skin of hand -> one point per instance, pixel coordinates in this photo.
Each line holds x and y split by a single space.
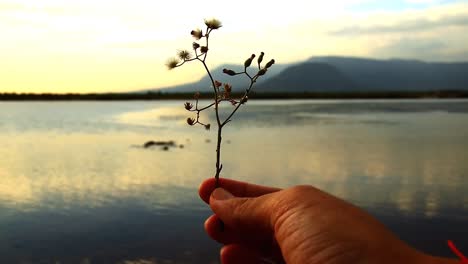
301 224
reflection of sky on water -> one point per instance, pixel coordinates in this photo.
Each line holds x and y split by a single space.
79 162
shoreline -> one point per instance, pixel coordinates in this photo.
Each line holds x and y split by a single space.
149 96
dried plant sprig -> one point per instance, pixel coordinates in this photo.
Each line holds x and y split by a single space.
219 95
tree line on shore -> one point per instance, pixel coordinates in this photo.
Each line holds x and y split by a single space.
265 95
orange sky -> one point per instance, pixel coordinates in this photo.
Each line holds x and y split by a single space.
112 46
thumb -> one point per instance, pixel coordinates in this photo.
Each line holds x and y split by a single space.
252 214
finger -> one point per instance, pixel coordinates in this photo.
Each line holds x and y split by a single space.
223 235
237 188
263 245
251 215
227 235
235 254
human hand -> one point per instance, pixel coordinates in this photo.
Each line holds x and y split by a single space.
298 225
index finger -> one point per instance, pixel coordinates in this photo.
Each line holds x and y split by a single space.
237 188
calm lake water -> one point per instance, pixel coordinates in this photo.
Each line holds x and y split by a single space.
77 187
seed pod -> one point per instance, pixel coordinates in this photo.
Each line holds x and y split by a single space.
195 45
268 65
203 49
229 72
207 126
196 95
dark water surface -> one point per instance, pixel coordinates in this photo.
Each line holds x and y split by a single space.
76 187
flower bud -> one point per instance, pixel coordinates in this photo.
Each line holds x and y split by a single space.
217 84
196 95
262 72
207 126
244 99
268 65
229 72
227 90
260 58
197 33
184 55
249 61
188 106
191 121
227 87
213 23
172 63
195 45
203 49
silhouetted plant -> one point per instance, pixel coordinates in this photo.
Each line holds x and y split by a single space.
221 91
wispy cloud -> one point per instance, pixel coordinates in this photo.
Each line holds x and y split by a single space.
404 26
413 47
90 45
428 49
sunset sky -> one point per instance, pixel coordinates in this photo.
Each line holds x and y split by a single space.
122 45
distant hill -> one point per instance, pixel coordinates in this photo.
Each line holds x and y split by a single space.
400 75
319 77
239 83
320 74
345 74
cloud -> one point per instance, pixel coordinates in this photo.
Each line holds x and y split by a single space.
404 26
416 48
423 1
431 49
101 39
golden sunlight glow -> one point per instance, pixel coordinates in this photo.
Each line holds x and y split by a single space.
114 46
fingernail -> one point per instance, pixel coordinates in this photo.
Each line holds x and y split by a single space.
221 194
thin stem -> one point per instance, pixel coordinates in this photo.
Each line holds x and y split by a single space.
247 91
218 120
207 36
201 109
197 57
219 166
226 96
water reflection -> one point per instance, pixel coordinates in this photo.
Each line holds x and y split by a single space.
78 173
88 170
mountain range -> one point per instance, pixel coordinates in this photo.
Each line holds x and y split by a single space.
345 74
